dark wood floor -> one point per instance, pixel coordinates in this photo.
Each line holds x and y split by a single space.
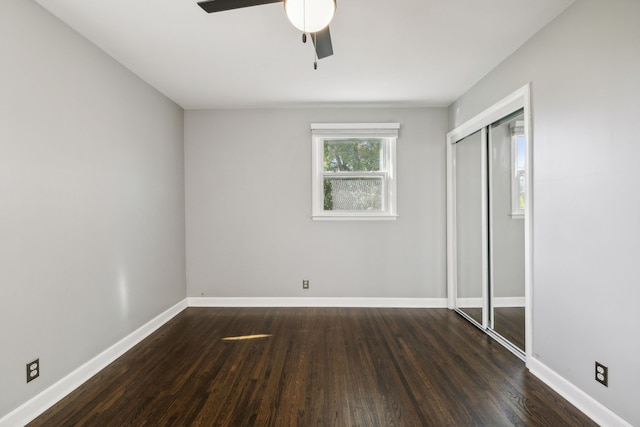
319 366
509 322
474 313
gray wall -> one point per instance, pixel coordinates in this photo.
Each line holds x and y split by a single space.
249 231
92 201
584 68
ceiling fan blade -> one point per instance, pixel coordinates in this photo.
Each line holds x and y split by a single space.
211 6
322 43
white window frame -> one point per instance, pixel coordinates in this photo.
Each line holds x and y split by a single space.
388 133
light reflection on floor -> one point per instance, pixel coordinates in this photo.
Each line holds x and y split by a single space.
246 337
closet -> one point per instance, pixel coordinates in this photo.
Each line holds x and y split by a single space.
489 222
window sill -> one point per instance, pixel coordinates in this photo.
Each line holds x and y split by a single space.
354 217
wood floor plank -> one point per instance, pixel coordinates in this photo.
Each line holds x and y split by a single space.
316 367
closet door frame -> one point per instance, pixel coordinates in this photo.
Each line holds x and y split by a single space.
520 99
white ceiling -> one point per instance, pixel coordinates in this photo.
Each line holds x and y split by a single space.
386 52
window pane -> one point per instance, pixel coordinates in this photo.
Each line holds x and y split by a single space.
521 189
352 155
353 194
521 151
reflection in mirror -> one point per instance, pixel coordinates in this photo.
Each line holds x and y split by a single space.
506 200
469 225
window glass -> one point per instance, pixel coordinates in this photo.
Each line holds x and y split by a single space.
352 155
518 184
353 194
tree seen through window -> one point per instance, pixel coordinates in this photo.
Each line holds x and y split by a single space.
352 155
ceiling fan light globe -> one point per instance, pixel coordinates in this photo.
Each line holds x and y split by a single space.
310 16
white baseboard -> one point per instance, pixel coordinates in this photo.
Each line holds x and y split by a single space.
497 302
508 302
319 302
29 410
578 398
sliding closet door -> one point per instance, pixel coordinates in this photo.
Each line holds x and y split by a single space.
470 232
489 222
507 147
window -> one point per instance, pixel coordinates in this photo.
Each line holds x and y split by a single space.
518 168
354 170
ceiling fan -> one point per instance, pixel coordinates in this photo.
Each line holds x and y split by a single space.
309 16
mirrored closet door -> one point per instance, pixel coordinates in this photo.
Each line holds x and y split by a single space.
507 147
489 224
471 241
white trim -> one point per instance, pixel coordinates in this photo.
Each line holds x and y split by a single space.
350 217
318 302
452 259
490 302
347 127
35 406
463 303
504 302
578 398
498 302
525 92
388 133
503 108
485 250
357 125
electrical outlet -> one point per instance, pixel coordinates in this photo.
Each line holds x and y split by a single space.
33 370
305 284
602 374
